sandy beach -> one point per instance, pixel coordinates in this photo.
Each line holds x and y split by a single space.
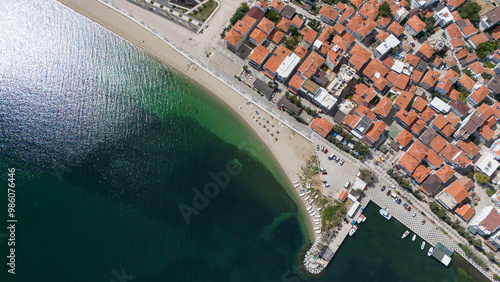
290 150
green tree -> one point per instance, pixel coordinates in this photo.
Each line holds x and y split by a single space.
470 11
360 148
273 16
385 9
482 178
496 276
429 24
485 48
491 256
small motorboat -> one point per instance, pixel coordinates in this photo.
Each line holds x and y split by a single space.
353 230
405 234
296 185
414 237
423 245
431 250
360 219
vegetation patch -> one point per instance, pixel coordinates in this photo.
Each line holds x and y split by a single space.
238 15
204 11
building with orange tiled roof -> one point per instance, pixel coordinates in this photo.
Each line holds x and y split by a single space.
334 57
403 100
434 159
395 29
322 126
454 94
453 31
477 39
300 51
457 43
310 36
439 122
408 163
405 118
295 83
417 126
266 25
339 28
419 104
416 150
485 134
453 119
374 132
430 79
468 147
351 120
477 69
262 5
257 37
453 5
374 70
359 57
357 3
449 152
275 61
448 130
297 22
347 37
427 114
258 57
452 195
466 82
464 211
310 65
233 40
245 26
392 77
425 52
446 82
284 24
466 182
416 76
478 96
342 196
438 144
381 84
383 108
445 173
469 31
346 15
420 174
277 37
402 82
369 9
360 28
485 109
496 33
383 22
414 25
325 33
412 60
496 110
328 14
382 36
404 138
277 6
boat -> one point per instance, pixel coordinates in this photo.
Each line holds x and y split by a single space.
306 198
414 237
296 182
385 214
423 245
296 185
405 234
317 232
308 209
361 218
353 230
431 250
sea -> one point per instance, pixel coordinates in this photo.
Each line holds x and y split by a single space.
124 170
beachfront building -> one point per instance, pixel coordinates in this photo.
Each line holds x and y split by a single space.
486 222
322 126
274 62
323 99
287 66
258 57
452 196
233 40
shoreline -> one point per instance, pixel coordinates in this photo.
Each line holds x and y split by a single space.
284 151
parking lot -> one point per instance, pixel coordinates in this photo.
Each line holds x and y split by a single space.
337 175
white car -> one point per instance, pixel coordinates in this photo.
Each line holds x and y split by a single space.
206 26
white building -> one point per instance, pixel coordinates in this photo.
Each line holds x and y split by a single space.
487 221
487 164
324 99
287 66
421 4
386 46
401 14
443 17
439 106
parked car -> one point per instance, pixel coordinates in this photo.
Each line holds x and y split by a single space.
326 151
388 192
324 173
322 169
383 188
317 147
342 162
399 201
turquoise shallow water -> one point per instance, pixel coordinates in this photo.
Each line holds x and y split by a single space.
108 144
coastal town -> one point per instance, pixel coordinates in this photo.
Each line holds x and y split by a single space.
399 101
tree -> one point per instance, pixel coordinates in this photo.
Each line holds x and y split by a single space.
429 24
360 148
367 176
482 178
485 48
477 243
273 16
491 256
470 11
385 9
189 21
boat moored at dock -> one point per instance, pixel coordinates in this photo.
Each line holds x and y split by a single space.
423 245
385 214
414 237
405 234
431 250
353 230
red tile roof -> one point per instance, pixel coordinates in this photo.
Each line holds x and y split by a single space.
468 147
445 173
359 56
431 78
465 211
408 162
419 104
427 114
454 31
284 24
457 191
480 94
417 152
421 173
417 126
311 64
343 196
404 99
328 12
416 24
396 29
233 37
375 130
375 69
426 50
434 158
407 117
322 126
383 107
402 81
438 144
404 138
449 152
259 54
